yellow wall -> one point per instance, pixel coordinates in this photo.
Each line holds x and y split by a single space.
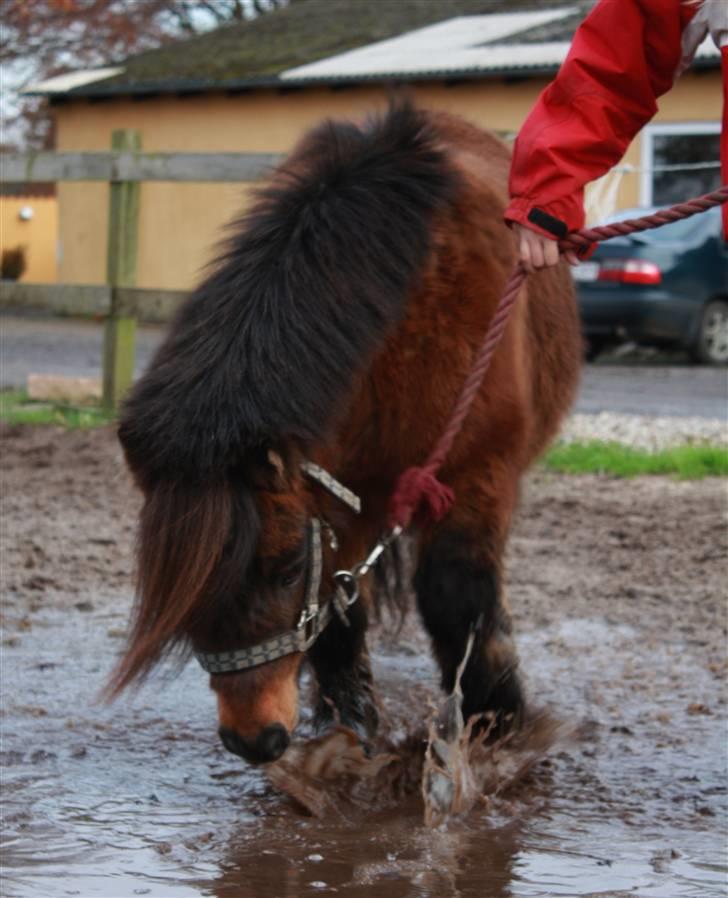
180 223
38 237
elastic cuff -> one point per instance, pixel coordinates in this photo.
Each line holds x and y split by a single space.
554 226
516 219
554 219
518 213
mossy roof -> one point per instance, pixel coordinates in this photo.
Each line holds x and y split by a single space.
253 53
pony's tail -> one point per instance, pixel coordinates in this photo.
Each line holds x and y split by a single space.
183 531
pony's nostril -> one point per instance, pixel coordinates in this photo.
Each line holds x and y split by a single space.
272 742
232 741
268 746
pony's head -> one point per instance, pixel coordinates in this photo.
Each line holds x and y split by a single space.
223 568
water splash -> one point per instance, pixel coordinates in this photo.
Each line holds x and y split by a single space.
453 767
449 782
324 774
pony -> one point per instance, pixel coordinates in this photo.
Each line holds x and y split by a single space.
333 334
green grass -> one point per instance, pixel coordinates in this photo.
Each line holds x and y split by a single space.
16 408
618 460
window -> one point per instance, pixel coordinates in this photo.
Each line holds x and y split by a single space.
679 161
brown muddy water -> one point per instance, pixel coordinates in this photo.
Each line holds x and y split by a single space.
618 594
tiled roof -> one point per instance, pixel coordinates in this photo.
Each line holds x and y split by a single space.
461 44
255 53
345 41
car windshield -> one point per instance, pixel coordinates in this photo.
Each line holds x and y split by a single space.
675 232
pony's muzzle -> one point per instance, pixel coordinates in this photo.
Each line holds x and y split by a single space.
258 709
269 744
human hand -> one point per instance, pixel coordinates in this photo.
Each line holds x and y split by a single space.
535 251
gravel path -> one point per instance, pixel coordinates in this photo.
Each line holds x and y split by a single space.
646 431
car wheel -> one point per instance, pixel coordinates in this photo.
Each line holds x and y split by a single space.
711 345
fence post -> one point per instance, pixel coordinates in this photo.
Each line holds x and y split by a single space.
121 264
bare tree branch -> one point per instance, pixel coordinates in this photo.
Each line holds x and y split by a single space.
41 38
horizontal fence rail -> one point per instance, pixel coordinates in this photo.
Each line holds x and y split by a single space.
119 303
148 306
126 166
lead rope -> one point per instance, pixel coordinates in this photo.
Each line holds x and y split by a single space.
418 490
420 484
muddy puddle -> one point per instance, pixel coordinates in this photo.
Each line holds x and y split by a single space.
619 598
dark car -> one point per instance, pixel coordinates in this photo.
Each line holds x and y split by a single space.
667 287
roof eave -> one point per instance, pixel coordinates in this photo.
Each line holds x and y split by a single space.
274 82
177 86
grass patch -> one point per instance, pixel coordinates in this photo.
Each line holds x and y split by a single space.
597 457
16 408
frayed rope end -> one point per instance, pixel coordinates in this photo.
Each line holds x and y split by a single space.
420 493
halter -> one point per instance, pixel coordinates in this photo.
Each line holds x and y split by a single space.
314 616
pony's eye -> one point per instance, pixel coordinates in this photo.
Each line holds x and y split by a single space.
291 576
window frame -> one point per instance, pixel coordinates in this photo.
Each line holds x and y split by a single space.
648 144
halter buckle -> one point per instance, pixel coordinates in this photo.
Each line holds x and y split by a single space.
308 626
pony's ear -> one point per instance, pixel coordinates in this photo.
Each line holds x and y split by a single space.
273 469
275 460
278 468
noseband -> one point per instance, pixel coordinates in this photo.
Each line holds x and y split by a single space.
314 616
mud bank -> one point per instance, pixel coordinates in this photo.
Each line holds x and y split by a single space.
618 595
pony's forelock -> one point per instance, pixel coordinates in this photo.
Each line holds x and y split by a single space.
183 534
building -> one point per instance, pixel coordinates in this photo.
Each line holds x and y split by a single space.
256 86
28 232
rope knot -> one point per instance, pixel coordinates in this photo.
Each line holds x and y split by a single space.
419 491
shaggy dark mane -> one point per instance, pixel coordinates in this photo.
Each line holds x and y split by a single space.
310 284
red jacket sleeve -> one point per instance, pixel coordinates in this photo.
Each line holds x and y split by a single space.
724 137
624 55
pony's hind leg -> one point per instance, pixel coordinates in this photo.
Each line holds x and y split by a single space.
458 589
345 688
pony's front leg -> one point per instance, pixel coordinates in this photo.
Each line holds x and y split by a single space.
341 663
458 586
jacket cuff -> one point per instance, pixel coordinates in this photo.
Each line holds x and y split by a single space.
553 220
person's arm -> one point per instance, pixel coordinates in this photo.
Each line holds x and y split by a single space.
623 56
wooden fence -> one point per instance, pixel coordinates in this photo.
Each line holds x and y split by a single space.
119 301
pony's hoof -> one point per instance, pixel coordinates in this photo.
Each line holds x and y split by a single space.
365 722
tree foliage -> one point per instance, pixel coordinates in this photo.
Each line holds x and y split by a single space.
41 38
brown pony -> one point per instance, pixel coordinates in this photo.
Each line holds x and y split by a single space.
338 328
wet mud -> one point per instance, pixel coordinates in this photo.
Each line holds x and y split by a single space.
616 787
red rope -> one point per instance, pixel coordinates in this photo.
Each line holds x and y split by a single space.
418 490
